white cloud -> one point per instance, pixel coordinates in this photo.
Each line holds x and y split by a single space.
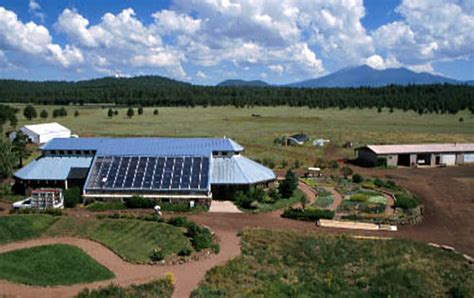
278 68
169 21
430 31
201 75
33 41
121 41
35 9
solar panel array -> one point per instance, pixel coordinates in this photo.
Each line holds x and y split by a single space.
149 173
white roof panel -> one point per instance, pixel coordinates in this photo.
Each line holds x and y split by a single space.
422 148
47 128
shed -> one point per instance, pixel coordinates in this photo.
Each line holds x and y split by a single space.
43 133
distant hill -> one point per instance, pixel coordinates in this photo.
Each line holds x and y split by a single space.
242 83
365 75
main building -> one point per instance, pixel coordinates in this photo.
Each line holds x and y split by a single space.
168 169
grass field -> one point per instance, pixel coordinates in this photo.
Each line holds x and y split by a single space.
21 227
289 264
134 240
51 265
257 133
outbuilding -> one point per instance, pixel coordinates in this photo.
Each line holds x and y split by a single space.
416 154
43 133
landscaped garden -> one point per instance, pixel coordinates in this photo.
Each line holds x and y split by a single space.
51 265
288 264
158 239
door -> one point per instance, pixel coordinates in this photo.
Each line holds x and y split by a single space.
469 158
448 159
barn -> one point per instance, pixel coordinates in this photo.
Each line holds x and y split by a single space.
410 155
43 133
167 169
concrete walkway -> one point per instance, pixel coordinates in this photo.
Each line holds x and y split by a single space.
223 207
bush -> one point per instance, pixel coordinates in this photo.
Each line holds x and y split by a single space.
368 185
246 199
269 162
49 211
157 255
406 201
185 251
379 182
201 238
307 214
72 197
356 178
359 197
333 164
137 202
288 186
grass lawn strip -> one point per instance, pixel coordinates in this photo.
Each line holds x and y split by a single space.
303 264
51 265
133 240
22 227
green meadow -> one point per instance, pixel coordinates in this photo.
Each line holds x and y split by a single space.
257 127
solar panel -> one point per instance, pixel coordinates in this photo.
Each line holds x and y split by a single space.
172 174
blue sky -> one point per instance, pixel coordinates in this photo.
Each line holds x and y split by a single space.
207 41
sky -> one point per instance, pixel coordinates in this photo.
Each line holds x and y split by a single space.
207 41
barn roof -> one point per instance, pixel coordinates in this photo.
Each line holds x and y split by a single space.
239 170
421 148
52 168
46 128
146 146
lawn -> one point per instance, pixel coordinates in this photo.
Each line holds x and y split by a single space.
133 240
304 264
257 133
51 265
21 227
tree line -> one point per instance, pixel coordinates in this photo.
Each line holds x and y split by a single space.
158 91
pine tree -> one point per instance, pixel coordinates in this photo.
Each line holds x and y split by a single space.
29 112
130 112
44 114
110 113
140 110
20 147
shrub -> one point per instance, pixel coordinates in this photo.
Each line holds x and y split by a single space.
157 255
155 112
359 197
136 202
356 178
72 197
268 162
178 221
406 201
201 237
307 214
379 182
368 185
346 171
333 164
378 200
185 251
288 186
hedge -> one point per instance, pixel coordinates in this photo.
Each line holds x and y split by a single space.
405 201
307 214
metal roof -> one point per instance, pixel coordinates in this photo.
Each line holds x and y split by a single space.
52 168
47 128
239 170
146 146
421 148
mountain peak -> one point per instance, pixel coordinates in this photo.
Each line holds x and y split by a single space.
242 83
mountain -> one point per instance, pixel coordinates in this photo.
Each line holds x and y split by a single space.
470 83
365 75
242 83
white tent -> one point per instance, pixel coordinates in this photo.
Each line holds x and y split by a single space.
43 133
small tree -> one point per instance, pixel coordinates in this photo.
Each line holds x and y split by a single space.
29 112
140 110
76 113
288 186
7 159
130 112
155 112
110 113
115 112
20 147
303 201
356 178
72 197
346 172
44 114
